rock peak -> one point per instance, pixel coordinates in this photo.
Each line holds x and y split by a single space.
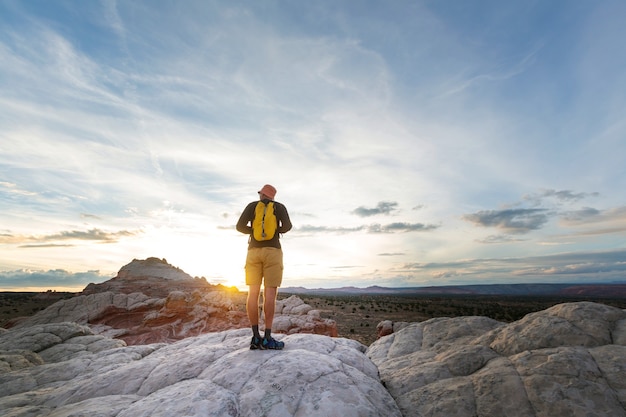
154 268
152 276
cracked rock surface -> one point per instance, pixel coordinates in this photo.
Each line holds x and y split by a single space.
63 369
568 360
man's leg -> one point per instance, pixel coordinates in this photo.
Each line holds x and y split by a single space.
273 275
273 272
252 308
269 305
254 278
270 293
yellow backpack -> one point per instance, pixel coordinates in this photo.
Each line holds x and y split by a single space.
265 224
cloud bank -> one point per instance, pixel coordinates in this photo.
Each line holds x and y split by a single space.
50 279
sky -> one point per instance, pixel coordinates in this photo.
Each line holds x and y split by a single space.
414 143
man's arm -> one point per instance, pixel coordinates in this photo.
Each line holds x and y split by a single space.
245 218
284 224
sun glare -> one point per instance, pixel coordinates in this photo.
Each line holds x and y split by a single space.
218 257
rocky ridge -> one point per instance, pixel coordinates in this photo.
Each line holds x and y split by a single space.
140 307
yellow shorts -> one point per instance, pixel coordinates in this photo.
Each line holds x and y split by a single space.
264 263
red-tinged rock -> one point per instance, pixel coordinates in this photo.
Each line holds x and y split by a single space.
384 328
151 301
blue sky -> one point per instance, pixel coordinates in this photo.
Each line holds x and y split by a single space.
413 142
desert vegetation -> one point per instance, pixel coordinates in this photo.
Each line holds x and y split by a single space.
23 304
358 316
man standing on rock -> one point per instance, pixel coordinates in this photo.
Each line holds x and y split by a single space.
264 221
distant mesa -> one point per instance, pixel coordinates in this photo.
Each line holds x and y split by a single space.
604 290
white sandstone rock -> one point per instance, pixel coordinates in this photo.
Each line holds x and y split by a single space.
569 360
215 374
152 267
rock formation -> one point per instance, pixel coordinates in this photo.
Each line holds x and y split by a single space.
140 307
153 277
295 316
569 360
132 347
63 369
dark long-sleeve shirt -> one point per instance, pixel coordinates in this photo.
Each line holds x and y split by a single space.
244 225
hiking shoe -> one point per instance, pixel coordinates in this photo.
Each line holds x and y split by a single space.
272 343
256 343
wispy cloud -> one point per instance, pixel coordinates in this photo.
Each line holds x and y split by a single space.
497 239
383 207
589 215
566 196
370 228
113 18
401 227
90 216
590 221
502 73
576 268
307 228
46 245
516 221
10 188
77 235
571 267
